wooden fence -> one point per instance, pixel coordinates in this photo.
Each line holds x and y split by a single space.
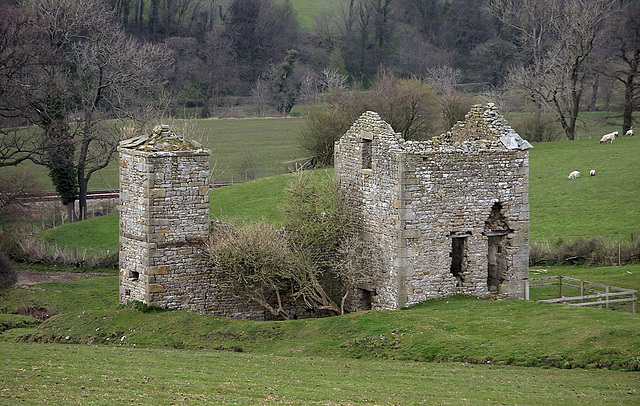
596 293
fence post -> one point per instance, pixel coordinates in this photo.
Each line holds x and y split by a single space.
582 290
526 289
559 286
633 304
607 299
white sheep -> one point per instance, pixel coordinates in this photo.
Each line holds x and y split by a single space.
629 132
592 172
609 137
574 175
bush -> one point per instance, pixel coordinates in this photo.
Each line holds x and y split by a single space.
324 126
456 108
254 262
408 105
538 127
314 259
592 251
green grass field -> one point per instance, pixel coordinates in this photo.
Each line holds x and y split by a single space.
458 350
603 205
91 375
241 148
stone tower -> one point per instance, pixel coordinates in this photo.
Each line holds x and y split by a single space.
164 220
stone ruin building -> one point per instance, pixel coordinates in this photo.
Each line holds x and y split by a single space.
164 223
443 217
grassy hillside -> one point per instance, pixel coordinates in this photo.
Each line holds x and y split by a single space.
605 204
241 148
464 329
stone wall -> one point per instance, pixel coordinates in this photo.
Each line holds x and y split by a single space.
164 224
444 216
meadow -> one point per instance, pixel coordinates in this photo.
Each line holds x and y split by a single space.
453 351
241 149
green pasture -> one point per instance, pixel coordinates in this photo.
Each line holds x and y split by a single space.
455 329
241 149
602 205
458 350
105 375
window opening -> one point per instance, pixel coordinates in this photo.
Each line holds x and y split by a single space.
457 258
366 298
366 154
133 275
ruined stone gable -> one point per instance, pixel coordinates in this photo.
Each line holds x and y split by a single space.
445 216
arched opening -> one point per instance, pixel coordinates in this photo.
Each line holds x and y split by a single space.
496 230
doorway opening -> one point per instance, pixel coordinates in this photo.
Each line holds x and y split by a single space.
496 229
496 263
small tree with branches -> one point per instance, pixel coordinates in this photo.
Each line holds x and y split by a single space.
316 258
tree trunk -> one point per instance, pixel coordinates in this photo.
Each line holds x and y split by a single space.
594 93
82 196
629 82
71 212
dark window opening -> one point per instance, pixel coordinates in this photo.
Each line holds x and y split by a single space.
366 299
366 154
133 275
457 259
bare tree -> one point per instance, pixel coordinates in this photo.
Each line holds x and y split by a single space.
558 38
19 38
621 58
105 72
14 188
444 80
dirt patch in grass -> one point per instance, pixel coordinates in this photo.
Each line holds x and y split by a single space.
27 278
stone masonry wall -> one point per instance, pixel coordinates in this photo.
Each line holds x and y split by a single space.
164 224
372 194
414 198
